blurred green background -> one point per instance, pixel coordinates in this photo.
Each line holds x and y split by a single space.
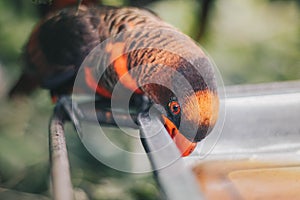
250 42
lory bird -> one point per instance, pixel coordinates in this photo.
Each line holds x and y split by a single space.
147 56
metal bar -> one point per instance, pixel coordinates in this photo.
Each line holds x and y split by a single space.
60 169
263 121
100 112
262 89
175 178
260 119
106 117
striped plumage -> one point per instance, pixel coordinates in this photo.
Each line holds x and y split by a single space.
137 49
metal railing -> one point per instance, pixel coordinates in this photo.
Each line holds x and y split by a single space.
60 168
174 185
260 119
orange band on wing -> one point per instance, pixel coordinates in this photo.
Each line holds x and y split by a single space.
119 60
120 66
90 81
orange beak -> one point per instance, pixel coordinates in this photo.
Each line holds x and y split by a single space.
185 146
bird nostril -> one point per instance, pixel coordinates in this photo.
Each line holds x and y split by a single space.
173 132
170 127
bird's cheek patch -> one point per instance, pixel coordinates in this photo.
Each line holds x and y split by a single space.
202 108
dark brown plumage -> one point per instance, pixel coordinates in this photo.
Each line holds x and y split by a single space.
143 53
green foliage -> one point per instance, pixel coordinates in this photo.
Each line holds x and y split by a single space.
15 27
258 42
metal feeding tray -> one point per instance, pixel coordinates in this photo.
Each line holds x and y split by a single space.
257 153
254 154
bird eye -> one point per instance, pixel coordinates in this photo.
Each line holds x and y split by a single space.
174 107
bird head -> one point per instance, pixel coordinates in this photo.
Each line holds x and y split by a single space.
191 120
186 94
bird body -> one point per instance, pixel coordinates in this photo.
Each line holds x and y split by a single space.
136 49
